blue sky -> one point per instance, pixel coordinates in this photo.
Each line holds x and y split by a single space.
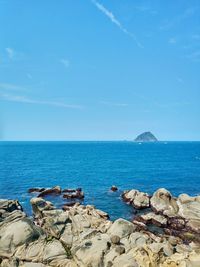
99 70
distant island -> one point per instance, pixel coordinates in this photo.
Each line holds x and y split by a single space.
146 137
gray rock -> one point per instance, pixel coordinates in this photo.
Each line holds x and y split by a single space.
115 239
163 202
120 250
17 233
121 228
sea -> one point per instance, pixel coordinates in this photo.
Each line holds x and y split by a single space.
95 167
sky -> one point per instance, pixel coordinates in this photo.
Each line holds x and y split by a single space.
99 70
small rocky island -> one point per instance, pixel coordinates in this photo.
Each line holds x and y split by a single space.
83 236
146 137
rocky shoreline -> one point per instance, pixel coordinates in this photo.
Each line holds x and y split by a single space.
79 235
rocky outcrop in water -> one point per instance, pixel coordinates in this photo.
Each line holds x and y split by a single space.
146 137
70 194
114 188
138 199
176 216
82 236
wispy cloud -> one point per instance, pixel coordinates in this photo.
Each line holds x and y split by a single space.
114 20
174 104
196 36
145 8
10 52
65 62
11 87
24 99
172 40
195 56
187 13
113 104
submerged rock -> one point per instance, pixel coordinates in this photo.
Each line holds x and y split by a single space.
50 191
73 193
36 189
113 188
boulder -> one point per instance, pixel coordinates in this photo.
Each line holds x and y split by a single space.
138 199
16 233
91 252
121 228
126 260
189 209
39 205
138 239
8 205
163 202
115 239
120 250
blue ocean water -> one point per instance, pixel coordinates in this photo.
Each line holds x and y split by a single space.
96 166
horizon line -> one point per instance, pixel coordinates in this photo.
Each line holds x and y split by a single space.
107 140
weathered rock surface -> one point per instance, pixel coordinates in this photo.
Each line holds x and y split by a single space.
179 216
82 236
138 199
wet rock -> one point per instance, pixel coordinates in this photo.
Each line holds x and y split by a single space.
74 194
113 188
36 189
68 190
50 191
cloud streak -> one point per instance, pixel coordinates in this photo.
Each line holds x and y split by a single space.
189 12
24 99
172 41
114 20
11 87
65 62
10 52
113 104
195 56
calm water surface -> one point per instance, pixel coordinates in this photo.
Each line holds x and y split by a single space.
95 166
